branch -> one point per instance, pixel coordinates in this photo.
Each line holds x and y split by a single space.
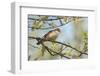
67 46
84 49
49 27
44 20
34 46
48 49
61 49
60 22
38 38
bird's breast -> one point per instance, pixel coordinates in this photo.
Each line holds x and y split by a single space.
53 35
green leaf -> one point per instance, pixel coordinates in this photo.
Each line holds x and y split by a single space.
53 24
37 24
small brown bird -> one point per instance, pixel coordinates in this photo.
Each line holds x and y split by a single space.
51 35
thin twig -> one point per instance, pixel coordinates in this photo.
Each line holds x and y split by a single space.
47 49
44 20
60 22
34 46
55 52
84 49
61 49
67 46
49 27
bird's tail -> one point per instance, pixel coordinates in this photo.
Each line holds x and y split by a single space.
39 42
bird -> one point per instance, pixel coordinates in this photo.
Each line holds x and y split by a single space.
51 35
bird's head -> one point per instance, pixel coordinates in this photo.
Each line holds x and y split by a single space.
57 29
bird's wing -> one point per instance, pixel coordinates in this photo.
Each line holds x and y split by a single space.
48 33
